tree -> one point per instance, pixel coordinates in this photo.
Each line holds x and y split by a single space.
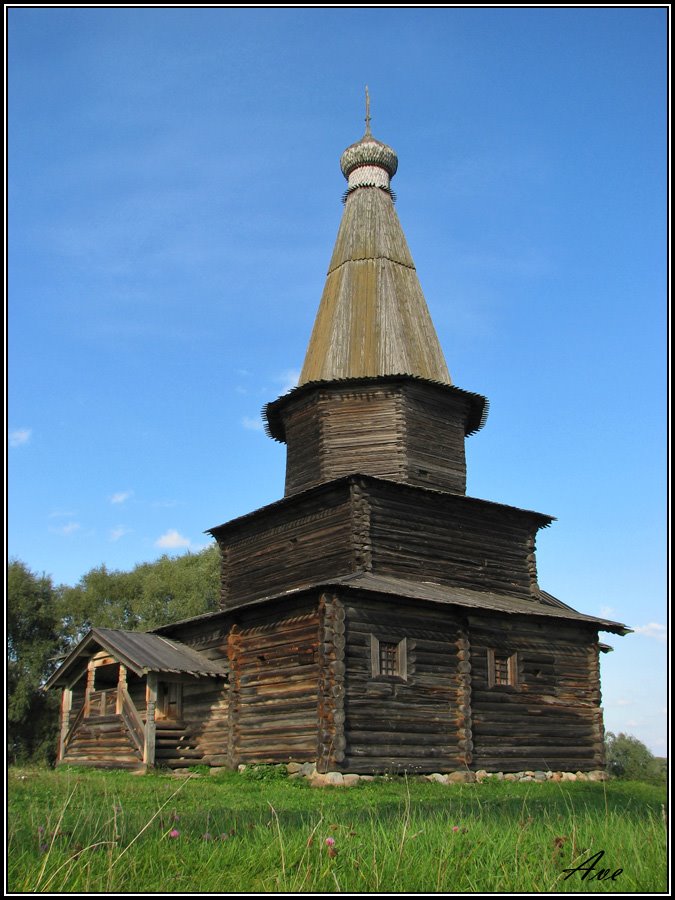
103 599
33 643
174 589
152 594
629 758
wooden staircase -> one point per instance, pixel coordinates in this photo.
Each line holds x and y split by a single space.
103 742
175 746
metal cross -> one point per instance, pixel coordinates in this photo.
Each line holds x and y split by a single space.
367 111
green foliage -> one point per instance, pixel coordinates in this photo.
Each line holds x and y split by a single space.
152 594
628 758
33 642
265 773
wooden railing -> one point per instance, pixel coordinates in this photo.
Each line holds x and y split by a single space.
102 703
133 721
73 728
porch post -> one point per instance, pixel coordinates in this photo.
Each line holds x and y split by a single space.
66 705
90 686
151 703
121 688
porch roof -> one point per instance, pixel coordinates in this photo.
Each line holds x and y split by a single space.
141 652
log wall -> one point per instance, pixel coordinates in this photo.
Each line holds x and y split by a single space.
403 431
275 670
551 719
293 545
303 433
331 693
367 524
452 540
434 438
395 724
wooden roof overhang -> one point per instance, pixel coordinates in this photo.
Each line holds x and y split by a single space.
272 413
397 588
537 519
140 652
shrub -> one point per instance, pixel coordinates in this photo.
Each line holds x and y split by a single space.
630 759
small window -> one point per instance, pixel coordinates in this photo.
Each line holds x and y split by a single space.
388 658
502 668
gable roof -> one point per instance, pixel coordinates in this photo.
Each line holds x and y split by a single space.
141 652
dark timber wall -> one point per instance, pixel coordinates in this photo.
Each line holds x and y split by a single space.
303 687
453 540
290 545
401 431
367 524
551 719
416 723
274 680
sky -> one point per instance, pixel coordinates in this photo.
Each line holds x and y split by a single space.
174 193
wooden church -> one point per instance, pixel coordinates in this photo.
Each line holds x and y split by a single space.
375 619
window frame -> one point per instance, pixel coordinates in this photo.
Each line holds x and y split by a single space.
401 673
511 659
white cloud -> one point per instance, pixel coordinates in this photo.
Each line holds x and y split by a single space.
19 437
652 630
119 532
121 496
289 379
66 530
172 540
252 424
624 702
606 611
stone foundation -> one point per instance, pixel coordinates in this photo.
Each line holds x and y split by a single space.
461 776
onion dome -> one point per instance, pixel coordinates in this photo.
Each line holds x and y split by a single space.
368 163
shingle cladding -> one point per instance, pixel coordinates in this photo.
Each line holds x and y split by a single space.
373 318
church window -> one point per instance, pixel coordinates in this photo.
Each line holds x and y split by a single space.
502 668
388 657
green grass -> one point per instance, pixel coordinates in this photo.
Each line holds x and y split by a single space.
86 831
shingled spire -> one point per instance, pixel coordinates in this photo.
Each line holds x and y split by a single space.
375 395
373 318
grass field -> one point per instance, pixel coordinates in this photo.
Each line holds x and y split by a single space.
85 831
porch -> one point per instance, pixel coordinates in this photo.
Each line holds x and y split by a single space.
122 701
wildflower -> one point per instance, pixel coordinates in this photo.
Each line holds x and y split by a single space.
174 817
223 837
44 848
41 830
330 842
207 836
174 833
455 827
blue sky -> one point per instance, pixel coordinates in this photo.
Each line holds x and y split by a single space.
174 195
